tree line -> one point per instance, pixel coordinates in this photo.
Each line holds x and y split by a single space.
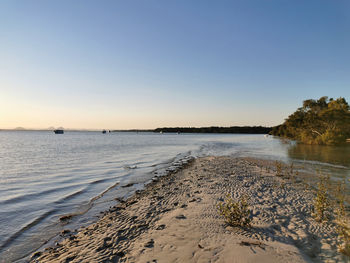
216 129
323 121
212 129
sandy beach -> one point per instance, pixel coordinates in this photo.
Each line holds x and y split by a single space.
175 219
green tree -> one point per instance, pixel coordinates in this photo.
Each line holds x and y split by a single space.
323 121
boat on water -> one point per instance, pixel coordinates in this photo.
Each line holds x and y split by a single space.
58 131
104 131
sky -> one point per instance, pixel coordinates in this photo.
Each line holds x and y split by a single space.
145 64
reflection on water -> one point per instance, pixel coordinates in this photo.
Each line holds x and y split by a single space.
317 160
339 155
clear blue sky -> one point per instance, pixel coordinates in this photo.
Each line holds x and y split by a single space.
145 64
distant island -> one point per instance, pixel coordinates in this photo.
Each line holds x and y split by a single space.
212 129
19 129
323 121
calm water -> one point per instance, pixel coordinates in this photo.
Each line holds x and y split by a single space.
44 175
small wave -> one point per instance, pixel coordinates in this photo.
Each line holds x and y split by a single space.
103 193
70 196
36 221
88 206
100 181
169 161
217 149
35 195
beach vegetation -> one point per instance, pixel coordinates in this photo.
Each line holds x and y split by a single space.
291 171
279 168
321 200
267 169
340 199
323 121
342 220
295 176
343 228
236 213
283 185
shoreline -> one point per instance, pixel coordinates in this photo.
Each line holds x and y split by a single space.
175 218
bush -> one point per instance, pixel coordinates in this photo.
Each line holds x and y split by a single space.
342 221
343 227
321 200
279 168
235 213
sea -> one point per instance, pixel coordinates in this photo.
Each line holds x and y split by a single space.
44 176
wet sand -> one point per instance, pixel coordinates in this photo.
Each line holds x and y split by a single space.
175 219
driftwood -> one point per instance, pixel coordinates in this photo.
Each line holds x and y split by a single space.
253 243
